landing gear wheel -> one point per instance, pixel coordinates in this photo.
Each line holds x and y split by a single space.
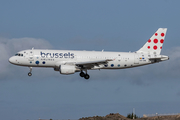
86 76
82 74
29 74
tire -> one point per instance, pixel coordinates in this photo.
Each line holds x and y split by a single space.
29 74
82 74
86 76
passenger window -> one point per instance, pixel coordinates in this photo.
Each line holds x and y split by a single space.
21 54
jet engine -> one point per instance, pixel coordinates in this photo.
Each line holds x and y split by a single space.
67 69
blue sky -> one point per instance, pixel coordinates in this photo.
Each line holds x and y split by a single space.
88 25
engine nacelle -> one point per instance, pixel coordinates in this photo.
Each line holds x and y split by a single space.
67 69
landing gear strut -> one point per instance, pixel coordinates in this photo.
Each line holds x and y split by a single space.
85 75
29 74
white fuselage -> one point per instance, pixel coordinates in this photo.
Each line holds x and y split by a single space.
54 58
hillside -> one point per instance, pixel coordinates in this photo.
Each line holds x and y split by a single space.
169 117
117 116
111 116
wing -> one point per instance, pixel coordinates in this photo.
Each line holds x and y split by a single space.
92 64
97 64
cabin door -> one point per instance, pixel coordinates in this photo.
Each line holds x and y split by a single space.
136 59
31 55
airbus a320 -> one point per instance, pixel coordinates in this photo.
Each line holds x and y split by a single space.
70 61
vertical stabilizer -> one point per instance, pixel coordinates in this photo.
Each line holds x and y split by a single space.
155 43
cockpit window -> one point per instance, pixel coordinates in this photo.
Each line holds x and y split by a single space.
18 54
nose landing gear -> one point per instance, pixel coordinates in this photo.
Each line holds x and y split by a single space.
29 74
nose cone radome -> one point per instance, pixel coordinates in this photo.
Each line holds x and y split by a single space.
12 60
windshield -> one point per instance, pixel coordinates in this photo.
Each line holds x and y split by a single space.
18 54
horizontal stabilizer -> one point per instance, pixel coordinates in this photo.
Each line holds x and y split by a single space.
159 58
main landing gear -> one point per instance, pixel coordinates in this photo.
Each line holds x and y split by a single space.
29 74
85 75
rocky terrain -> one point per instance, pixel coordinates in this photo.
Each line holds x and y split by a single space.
117 116
169 117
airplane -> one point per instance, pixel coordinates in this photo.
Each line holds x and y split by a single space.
71 61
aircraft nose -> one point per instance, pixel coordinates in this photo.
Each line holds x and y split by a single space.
11 60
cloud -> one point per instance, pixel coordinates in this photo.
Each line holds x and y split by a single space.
172 66
9 47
